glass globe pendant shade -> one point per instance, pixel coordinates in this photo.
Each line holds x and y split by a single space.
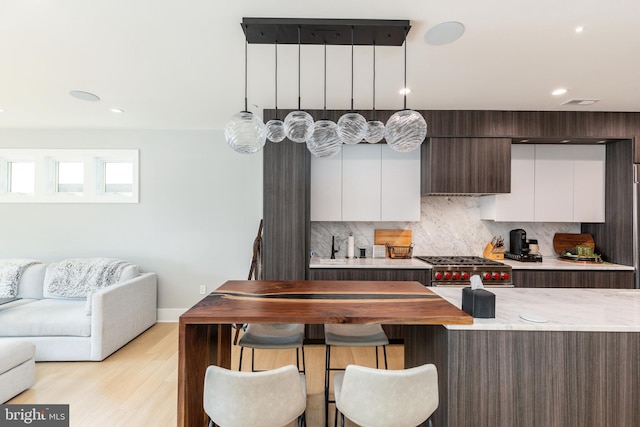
245 133
375 131
352 128
299 126
324 142
276 130
405 130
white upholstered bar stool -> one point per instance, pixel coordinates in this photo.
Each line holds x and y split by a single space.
350 335
381 398
273 398
273 336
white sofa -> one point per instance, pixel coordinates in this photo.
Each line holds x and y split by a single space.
76 328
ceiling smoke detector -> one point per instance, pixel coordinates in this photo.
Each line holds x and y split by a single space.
581 102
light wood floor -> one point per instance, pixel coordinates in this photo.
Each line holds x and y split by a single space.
137 385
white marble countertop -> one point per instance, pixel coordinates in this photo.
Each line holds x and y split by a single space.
412 263
552 263
548 263
606 310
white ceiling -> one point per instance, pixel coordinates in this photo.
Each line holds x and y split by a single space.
173 64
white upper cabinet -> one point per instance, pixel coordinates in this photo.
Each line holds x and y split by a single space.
553 194
552 183
366 182
400 185
519 204
361 180
589 183
326 188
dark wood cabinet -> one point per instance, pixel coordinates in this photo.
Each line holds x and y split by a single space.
386 274
466 166
573 279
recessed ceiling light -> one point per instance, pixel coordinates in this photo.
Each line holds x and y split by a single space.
559 91
404 91
444 33
117 110
1 110
579 29
85 96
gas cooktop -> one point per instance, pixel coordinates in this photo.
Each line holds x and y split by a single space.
458 270
457 260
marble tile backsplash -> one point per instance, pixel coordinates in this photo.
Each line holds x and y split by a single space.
449 225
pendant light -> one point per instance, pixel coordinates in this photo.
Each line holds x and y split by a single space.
276 130
299 124
375 128
352 126
245 132
405 129
324 141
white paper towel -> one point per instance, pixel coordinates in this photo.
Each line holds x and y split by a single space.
351 247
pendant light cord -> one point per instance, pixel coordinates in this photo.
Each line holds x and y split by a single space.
405 67
246 44
374 81
325 78
299 103
352 31
276 49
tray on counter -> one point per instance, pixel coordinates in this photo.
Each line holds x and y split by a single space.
581 259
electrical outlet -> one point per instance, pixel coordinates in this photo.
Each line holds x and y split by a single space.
203 289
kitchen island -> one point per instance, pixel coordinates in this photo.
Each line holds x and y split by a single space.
575 362
205 329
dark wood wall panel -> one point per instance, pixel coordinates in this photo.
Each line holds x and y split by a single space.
614 237
572 279
286 178
531 378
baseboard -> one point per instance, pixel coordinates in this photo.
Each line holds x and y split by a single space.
170 314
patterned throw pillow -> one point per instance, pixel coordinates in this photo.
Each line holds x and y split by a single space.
10 273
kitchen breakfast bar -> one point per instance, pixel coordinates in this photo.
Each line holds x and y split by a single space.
551 357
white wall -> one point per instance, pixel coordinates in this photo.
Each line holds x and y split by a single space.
200 206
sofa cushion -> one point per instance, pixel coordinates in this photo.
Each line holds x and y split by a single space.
11 271
78 277
46 317
14 353
32 282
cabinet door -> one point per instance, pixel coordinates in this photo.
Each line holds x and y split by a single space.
400 185
361 180
554 183
326 188
589 183
519 204
466 166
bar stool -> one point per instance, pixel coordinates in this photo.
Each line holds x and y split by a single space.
273 336
350 335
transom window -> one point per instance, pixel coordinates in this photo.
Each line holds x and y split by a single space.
68 176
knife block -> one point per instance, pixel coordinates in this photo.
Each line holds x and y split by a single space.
490 252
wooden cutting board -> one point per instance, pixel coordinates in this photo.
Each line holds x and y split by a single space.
399 237
564 241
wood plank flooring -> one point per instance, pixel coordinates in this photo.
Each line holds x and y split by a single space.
137 385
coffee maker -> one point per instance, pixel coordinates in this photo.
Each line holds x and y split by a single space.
519 247
518 242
